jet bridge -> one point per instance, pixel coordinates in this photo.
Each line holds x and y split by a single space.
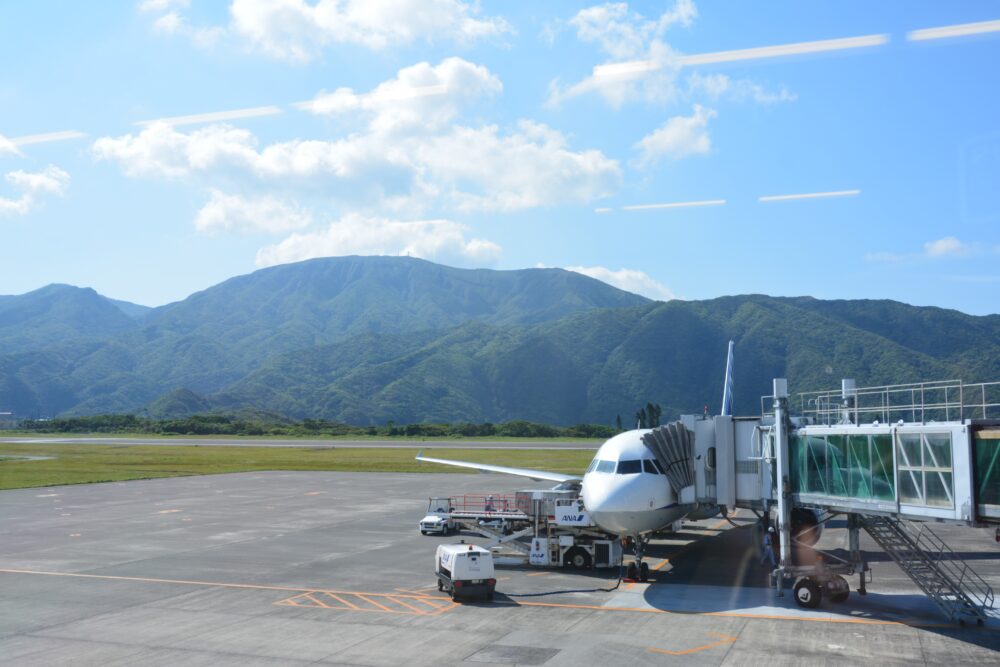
891 458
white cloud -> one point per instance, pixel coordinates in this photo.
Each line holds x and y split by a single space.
162 5
629 280
250 214
717 86
437 164
296 30
949 245
160 150
642 65
173 23
653 79
169 23
484 169
623 34
422 95
679 137
50 181
8 147
441 240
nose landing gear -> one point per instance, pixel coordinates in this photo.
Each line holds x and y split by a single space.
639 570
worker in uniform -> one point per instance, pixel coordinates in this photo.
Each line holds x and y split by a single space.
768 548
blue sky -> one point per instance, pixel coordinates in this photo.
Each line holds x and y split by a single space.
663 147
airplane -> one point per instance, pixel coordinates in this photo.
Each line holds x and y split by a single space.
624 489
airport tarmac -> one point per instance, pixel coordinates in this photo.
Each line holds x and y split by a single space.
187 441
329 568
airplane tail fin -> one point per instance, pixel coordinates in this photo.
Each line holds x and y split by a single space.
727 391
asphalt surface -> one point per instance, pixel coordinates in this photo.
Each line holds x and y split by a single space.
329 444
329 568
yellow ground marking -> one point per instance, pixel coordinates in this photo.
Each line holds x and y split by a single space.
409 606
346 603
193 582
725 639
169 511
442 603
629 585
377 602
314 493
370 601
537 574
416 591
309 596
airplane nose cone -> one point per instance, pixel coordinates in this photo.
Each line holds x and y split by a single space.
607 497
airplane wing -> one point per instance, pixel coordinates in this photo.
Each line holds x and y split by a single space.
540 475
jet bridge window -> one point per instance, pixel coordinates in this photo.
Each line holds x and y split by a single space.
849 466
925 469
631 467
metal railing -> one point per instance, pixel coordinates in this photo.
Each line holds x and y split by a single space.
960 574
921 402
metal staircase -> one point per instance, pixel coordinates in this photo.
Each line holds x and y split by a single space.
956 589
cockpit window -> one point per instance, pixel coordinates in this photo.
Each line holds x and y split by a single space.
593 464
659 467
605 466
649 465
630 467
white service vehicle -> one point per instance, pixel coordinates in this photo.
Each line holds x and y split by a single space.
438 519
465 570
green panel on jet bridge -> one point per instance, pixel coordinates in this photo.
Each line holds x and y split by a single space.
987 471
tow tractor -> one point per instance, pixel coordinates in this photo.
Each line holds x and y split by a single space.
437 519
465 570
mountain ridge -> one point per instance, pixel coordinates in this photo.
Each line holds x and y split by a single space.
372 339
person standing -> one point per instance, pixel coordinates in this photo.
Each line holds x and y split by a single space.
768 548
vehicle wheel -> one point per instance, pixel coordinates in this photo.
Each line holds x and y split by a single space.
577 558
807 593
644 572
631 571
489 597
440 585
840 591
423 532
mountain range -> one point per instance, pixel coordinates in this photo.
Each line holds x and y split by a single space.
367 340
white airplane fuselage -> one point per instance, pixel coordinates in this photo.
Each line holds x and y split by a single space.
625 497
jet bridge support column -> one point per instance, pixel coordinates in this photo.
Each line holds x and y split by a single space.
783 484
854 538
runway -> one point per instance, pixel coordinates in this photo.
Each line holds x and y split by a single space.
329 568
187 441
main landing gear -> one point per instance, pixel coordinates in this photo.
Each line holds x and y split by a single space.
639 570
809 591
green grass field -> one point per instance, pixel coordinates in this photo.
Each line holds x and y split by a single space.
85 464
